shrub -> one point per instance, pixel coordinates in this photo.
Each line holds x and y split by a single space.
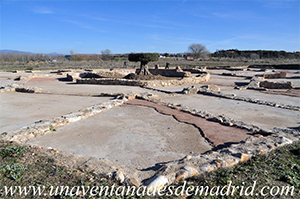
29 68
13 171
12 151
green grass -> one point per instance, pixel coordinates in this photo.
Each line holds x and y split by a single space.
12 151
31 166
278 168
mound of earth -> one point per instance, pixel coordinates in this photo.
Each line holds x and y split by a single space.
134 76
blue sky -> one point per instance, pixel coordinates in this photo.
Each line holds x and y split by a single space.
148 26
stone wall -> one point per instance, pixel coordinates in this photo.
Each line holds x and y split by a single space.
276 85
275 75
168 72
279 66
195 70
145 83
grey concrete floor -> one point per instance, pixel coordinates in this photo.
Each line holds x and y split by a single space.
21 109
260 115
129 135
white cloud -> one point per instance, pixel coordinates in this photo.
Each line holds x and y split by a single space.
84 26
42 10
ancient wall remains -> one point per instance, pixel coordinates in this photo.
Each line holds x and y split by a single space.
146 83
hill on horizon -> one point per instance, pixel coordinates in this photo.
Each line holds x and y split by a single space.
17 51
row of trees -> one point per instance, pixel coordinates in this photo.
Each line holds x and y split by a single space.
255 54
23 57
196 51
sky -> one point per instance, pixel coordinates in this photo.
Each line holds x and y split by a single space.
88 27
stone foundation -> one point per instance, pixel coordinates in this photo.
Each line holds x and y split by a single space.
275 75
276 85
167 72
144 83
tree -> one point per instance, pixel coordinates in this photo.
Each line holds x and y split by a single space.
198 51
105 54
166 54
144 58
254 56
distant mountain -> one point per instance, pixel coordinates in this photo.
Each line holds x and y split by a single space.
55 53
16 51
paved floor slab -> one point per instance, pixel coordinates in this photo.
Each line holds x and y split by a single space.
63 87
254 94
260 115
20 109
134 136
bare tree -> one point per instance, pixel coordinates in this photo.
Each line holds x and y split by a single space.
198 51
106 54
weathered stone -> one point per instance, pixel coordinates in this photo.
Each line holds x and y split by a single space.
69 77
275 75
188 157
134 182
283 142
215 119
73 77
186 172
210 88
119 176
191 171
245 157
219 163
261 152
157 183
231 162
190 90
276 85
180 175
145 83
207 167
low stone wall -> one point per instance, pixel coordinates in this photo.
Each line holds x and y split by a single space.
275 75
258 82
255 101
18 88
168 72
195 70
279 66
145 83
276 85
46 126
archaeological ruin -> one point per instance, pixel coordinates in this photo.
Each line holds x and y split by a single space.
153 130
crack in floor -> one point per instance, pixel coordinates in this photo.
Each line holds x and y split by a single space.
216 134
